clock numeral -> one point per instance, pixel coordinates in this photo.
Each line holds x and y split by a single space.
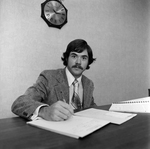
61 9
47 10
58 6
63 14
51 19
49 4
47 15
63 18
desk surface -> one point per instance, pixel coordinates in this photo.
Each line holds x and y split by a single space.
133 134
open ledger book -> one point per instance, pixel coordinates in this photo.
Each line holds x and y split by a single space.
135 105
83 123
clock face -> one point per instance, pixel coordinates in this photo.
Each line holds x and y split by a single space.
55 12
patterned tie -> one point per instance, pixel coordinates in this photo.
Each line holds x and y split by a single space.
76 103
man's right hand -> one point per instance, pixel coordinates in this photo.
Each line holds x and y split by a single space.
58 111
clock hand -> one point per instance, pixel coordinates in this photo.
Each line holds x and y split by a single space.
59 11
56 12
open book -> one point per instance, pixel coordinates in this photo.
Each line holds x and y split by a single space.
76 126
112 117
83 123
136 105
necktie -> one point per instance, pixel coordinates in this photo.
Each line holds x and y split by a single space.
76 103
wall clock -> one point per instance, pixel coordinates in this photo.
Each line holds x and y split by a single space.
54 13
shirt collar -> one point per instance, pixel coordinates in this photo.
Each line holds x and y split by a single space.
71 78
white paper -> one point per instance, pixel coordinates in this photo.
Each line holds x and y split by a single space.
135 105
74 127
113 117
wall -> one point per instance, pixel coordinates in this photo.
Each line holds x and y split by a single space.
117 31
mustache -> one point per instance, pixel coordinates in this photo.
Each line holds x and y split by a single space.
77 66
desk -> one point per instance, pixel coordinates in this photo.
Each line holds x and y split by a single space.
133 134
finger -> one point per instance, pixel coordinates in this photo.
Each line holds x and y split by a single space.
58 118
52 113
67 107
61 116
65 112
63 108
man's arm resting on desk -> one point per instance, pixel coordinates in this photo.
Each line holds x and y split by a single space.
24 107
36 112
57 112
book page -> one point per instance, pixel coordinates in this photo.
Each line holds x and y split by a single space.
113 117
75 126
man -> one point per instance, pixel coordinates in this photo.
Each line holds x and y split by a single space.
57 93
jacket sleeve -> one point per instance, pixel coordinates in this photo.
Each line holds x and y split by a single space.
93 104
26 104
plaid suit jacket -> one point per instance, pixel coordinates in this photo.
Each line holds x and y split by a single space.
50 87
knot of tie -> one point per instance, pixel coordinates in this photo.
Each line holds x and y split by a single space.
74 82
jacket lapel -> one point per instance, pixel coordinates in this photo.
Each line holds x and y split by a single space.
62 87
87 92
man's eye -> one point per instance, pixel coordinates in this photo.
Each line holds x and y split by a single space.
84 58
73 56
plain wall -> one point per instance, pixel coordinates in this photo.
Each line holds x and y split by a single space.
116 30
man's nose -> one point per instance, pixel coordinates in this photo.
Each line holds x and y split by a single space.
78 61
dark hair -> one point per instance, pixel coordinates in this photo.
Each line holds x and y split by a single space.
78 45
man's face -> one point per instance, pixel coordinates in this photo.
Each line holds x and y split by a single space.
77 63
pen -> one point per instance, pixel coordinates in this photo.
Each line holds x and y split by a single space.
69 110
64 100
